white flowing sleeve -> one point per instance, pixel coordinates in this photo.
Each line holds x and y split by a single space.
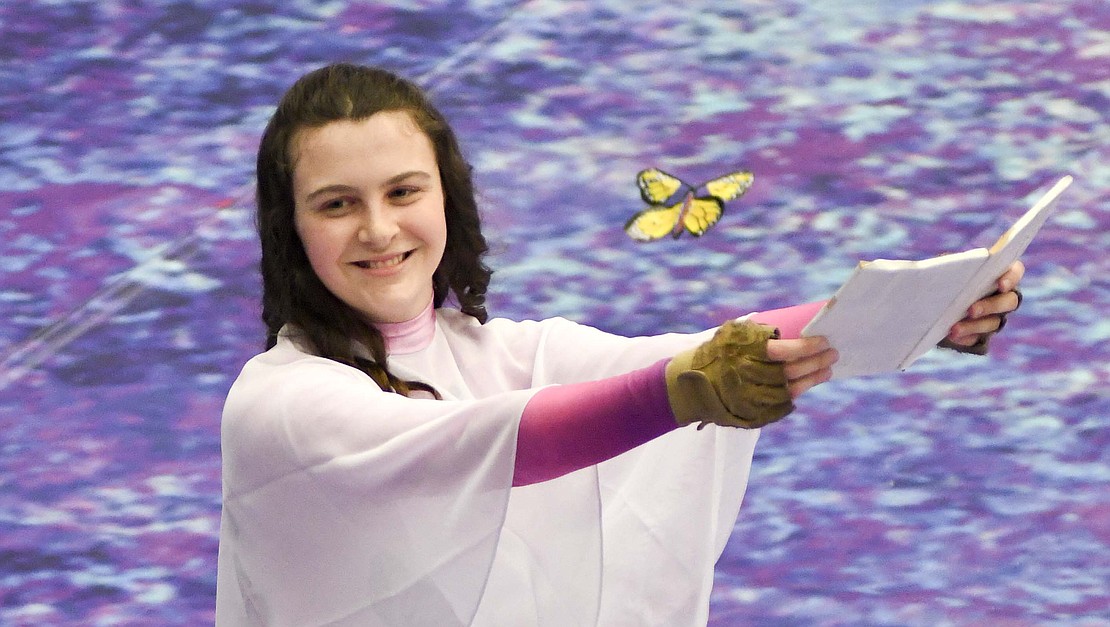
669 506
344 504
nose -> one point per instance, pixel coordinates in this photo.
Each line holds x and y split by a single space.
377 228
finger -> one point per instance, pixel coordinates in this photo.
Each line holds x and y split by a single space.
965 341
798 386
992 305
967 331
1011 277
791 350
802 368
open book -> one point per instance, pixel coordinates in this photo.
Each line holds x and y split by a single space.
890 312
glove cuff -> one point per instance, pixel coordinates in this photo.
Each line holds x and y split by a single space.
691 393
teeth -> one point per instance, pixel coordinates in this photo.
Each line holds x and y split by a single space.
372 265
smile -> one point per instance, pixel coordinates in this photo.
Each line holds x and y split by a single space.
377 264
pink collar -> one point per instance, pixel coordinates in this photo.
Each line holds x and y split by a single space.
410 336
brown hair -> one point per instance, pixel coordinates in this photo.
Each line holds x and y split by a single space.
291 291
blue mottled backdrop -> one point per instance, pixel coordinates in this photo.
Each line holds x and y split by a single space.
967 491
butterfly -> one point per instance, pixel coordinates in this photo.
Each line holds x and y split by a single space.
675 205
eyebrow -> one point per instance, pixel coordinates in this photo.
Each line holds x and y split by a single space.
393 180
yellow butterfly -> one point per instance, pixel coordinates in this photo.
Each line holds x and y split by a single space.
674 205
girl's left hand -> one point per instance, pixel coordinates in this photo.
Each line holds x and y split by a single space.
987 315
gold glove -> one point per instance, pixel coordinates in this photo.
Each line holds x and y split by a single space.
729 380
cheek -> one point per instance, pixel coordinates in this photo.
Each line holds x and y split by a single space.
436 227
441 234
318 246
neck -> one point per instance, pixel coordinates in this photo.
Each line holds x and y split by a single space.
410 336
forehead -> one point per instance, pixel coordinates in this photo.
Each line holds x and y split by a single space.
388 140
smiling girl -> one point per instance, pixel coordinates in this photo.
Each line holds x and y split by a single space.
390 460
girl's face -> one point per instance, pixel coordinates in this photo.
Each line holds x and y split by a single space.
369 209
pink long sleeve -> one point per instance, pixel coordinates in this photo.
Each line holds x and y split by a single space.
568 427
790 320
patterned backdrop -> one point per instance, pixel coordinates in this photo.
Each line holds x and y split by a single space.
965 491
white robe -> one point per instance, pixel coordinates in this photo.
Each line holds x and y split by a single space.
346 505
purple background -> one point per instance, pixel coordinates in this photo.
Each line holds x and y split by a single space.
965 491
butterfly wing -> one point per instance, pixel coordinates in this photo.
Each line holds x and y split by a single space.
656 186
730 186
702 214
653 223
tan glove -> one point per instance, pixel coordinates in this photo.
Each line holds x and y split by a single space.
729 380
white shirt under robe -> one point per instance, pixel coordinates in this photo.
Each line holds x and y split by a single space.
347 505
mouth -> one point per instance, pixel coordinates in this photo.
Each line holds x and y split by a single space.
379 264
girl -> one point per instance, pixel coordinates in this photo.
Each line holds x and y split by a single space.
393 461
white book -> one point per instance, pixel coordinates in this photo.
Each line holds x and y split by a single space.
890 312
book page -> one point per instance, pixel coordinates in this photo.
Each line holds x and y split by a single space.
1005 251
890 312
872 318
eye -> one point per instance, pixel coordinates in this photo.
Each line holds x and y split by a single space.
335 205
404 194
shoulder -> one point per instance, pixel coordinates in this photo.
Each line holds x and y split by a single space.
458 325
286 376
287 362
503 350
